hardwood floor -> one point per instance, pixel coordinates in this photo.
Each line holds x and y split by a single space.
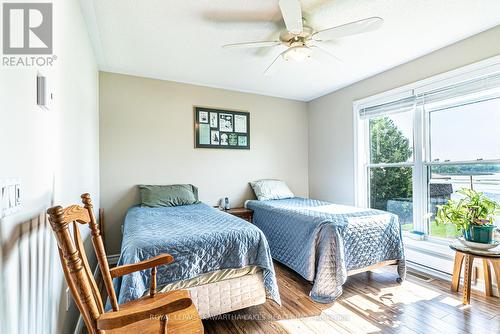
371 303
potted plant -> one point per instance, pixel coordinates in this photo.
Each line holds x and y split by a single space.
473 215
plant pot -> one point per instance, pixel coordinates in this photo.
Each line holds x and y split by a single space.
479 233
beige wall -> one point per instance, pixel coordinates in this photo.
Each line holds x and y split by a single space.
331 151
55 154
147 137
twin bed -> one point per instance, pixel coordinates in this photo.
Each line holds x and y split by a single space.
325 242
223 261
227 263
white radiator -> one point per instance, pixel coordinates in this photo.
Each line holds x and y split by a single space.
29 272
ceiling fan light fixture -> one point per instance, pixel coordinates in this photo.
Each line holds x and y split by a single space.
297 53
299 38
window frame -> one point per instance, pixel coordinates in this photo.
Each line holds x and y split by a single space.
421 137
370 165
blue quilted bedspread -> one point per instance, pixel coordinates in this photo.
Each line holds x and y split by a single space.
322 241
200 238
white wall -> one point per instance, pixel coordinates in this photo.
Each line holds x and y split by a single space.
147 137
55 153
331 136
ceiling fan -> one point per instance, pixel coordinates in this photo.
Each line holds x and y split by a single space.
301 39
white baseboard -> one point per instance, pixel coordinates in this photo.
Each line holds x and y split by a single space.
79 325
479 285
113 258
429 271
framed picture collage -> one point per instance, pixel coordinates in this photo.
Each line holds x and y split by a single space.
218 128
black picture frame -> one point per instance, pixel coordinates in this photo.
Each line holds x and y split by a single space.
221 128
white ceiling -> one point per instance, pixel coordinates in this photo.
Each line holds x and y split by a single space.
181 40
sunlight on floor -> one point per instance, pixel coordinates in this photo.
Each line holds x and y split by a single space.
367 306
363 305
340 313
350 313
325 324
451 301
406 293
374 303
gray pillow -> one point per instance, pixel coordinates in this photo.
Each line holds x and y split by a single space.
169 195
271 189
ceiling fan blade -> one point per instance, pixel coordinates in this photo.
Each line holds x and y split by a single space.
263 44
326 52
292 15
244 18
357 27
270 68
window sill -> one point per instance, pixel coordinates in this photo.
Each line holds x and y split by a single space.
438 249
435 258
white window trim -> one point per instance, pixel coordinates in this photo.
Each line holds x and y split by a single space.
485 67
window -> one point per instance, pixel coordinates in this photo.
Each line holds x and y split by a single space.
391 190
391 138
464 143
444 181
391 164
417 150
465 132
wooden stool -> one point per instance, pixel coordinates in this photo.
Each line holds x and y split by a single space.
489 257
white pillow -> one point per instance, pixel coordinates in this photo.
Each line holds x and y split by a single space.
271 189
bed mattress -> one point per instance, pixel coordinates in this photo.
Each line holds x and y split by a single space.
229 295
212 277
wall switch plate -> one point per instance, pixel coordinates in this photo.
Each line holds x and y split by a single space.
11 188
10 196
18 194
44 94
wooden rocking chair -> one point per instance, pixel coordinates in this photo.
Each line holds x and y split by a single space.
156 313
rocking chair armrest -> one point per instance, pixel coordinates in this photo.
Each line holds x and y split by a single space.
146 264
176 301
